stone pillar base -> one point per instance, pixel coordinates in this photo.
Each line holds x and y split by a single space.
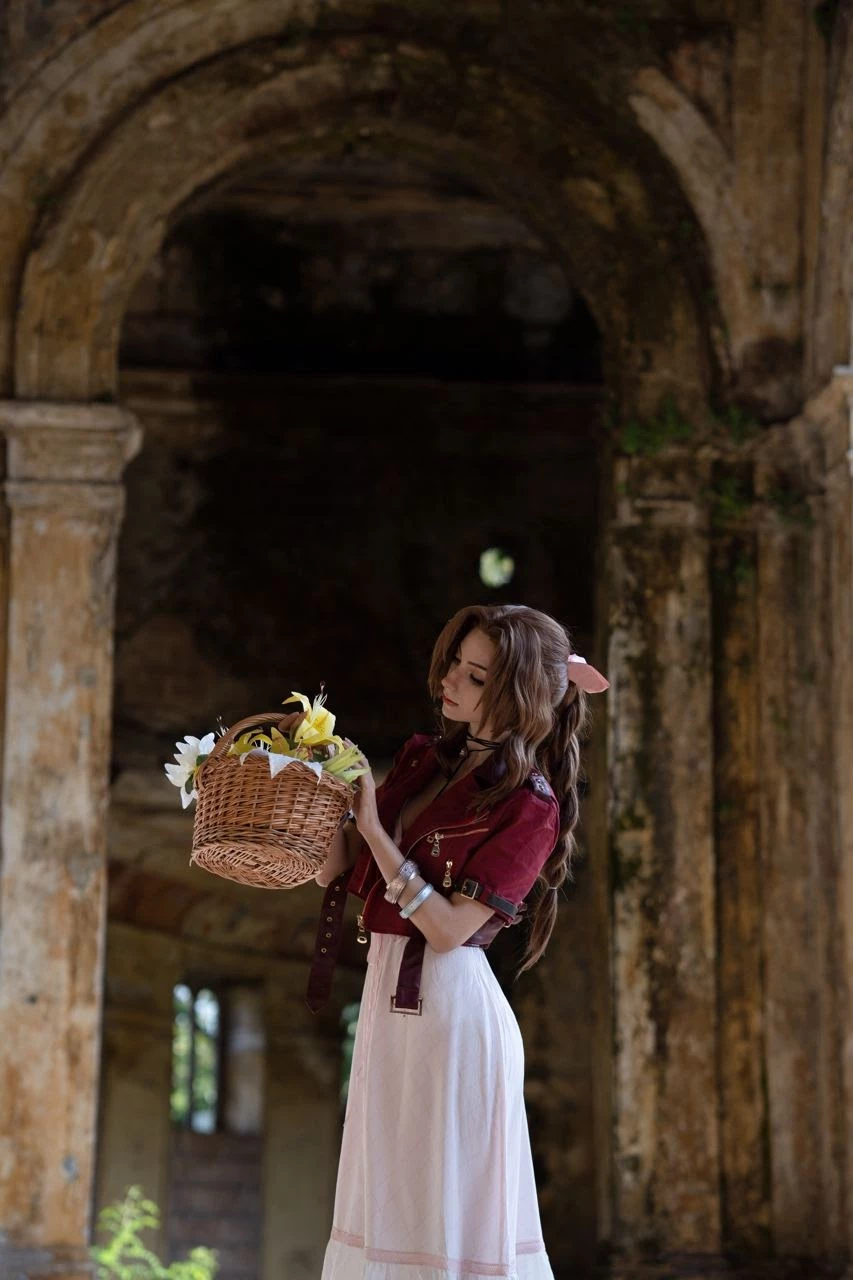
33 1264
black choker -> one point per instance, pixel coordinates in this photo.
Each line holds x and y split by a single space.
483 742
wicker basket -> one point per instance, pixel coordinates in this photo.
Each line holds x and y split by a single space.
273 833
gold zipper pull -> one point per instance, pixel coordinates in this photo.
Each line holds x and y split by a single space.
447 882
361 936
436 844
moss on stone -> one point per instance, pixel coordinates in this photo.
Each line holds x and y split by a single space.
624 869
791 505
647 436
731 498
738 424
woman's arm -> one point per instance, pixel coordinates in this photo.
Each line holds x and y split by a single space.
342 854
446 923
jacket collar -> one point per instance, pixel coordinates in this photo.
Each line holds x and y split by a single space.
491 771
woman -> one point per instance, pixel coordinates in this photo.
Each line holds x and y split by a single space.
435 1177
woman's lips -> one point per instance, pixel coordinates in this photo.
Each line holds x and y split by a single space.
449 701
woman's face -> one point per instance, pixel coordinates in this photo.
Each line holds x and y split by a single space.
466 678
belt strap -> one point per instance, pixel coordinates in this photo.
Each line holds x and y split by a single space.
469 888
328 943
408 993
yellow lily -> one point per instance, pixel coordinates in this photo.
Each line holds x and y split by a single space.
247 741
318 725
279 744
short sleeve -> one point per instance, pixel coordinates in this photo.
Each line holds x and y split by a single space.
509 860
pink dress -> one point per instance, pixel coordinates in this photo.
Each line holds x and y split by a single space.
436 1177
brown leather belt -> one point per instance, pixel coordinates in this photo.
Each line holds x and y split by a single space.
328 943
407 997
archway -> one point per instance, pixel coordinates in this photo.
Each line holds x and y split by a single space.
95 239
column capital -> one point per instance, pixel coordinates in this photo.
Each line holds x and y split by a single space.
67 443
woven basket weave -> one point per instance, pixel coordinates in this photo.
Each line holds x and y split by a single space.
273 833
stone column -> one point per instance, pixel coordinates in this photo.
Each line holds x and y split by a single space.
65 500
136 1072
666 1162
744 1156
803 482
839 515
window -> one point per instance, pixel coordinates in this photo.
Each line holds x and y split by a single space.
195 1058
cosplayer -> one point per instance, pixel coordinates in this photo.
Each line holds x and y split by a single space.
436 1178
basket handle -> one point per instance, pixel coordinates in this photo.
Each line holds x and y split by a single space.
251 722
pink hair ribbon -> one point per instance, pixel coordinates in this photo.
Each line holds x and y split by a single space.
585 676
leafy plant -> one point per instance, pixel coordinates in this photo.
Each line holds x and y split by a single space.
125 1256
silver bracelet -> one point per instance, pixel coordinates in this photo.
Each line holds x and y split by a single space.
395 887
418 899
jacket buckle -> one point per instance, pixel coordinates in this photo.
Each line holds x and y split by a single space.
470 889
415 1012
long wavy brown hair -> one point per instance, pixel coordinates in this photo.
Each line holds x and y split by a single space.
529 697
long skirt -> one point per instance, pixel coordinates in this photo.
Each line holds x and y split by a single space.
436 1177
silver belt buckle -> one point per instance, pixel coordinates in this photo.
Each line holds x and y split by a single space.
415 1012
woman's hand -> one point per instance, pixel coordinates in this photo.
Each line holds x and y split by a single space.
364 803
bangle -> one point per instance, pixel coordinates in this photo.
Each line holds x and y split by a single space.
396 886
418 899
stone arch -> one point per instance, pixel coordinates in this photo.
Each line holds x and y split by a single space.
79 95
69 284
79 274
732 153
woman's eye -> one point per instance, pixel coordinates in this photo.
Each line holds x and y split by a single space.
474 680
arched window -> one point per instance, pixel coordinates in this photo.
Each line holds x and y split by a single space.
196 1058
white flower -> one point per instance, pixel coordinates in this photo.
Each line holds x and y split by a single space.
191 749
191 753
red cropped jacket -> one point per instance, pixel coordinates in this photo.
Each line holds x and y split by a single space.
494 856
